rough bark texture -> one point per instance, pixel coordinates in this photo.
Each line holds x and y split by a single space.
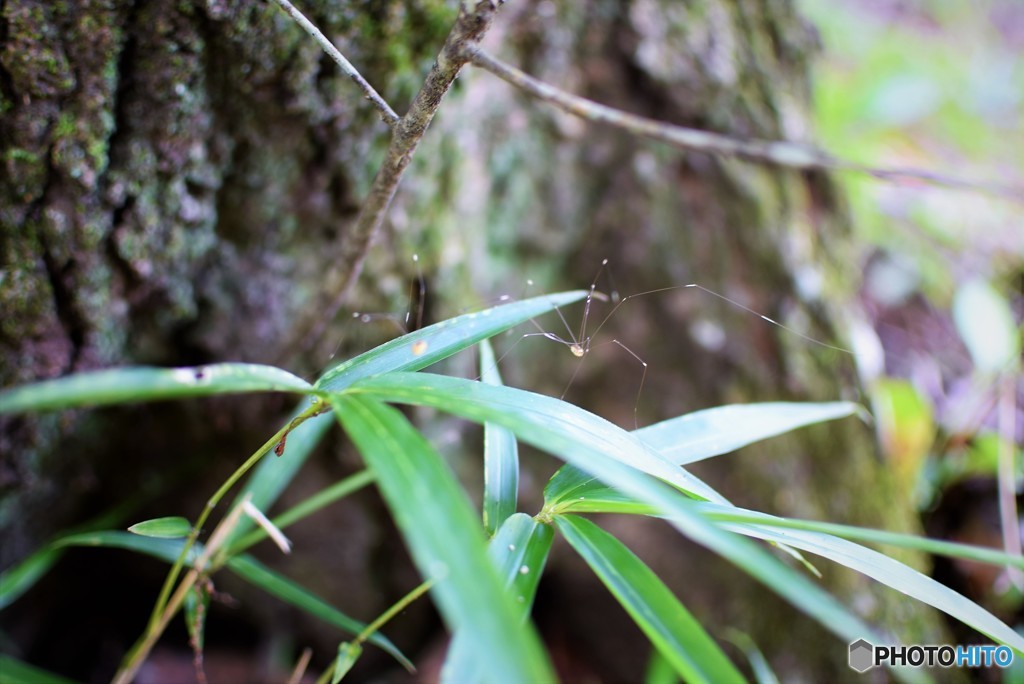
173 170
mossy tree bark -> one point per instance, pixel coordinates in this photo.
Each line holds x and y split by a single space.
174 173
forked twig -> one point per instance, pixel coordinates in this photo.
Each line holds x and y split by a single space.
778 153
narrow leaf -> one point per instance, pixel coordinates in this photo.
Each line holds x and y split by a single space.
519 551
571 490
712 432
164 528
444 536
429 345
123 385
501 456
538 416
19 578
671 628
14 671
246 567
613 455
884 569
348 654
275 584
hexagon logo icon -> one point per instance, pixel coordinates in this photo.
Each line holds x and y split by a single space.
862 655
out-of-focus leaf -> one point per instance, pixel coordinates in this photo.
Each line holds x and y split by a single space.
246 567
501 457
985 323
172 527
123 385
763 673
906 427
14 671
673 630
19 578
444 537
715 431
197 604
348 654
275 584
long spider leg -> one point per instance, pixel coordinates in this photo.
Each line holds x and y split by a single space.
770 320
590 298
417 296
573 378
551 336
640 389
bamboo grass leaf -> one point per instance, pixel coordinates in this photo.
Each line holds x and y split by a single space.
881 568
501 457
19 578
15 671
613 455
124 385
538 416
444 536
671 628
246 567
715 431
276 584
409 352
172 527
520 543
429 345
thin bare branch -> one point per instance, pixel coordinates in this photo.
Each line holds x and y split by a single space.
472 24
387 113
778 153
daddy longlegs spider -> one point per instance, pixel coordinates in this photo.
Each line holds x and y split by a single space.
580 344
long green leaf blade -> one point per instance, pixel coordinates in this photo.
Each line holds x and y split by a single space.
13 671
571 490
123 385
980 554
519 551
501 456
409 352
244 566
537 415
883 569
444 537
19 578
673 630
715 431
173 527
276 584
613 455
429 345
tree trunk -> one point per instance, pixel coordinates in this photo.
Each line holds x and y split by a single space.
175 173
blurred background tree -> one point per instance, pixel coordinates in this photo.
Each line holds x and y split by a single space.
175 173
